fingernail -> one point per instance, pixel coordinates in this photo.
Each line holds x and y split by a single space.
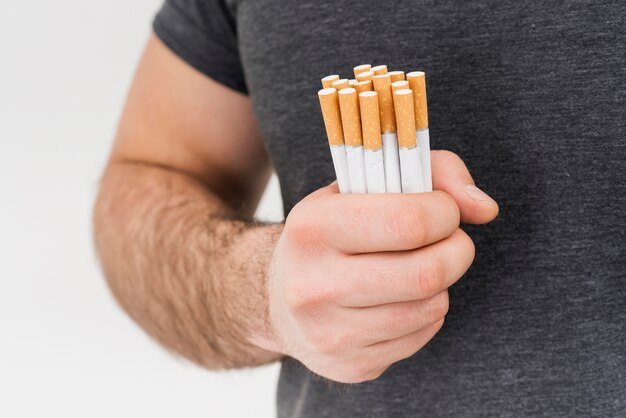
476 194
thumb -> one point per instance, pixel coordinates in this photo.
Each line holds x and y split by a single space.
451 176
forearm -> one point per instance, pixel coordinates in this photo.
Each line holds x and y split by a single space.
184 265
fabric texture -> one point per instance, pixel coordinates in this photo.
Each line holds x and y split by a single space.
203 33
532 96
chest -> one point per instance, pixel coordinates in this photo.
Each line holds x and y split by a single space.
520 89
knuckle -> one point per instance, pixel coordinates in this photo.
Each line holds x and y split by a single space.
304 225
469 248
303 233
451 206
437 327
431 277
439 306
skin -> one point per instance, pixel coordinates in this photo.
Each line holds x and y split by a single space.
348 293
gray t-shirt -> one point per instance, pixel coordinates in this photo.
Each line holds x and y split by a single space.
532 95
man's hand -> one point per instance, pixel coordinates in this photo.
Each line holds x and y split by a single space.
359 282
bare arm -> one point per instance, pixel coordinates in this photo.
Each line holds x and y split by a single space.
173 221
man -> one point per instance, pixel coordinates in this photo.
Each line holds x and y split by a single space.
355 288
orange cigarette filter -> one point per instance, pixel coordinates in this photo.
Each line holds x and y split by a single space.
350 118
405 117
417 83
379 69
340 84
396 75
362 86
352 82
382 86
370 120
365 75
361 69
399 85
327 82
329 102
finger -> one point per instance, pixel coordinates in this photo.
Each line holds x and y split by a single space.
331 189
386 353
394 320
361 223
376 279
451 175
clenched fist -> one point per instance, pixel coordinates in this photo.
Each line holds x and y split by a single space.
359 282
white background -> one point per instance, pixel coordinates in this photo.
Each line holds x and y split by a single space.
66 349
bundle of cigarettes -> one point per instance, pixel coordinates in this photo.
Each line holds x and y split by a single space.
377 127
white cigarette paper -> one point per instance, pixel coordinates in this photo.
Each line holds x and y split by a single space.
423 143
356 169
392 163
412 180
340 161
375 171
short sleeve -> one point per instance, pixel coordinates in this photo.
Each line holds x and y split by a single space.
203 33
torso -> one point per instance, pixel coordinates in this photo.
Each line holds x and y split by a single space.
532 95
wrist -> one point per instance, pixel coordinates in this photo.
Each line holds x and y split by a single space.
262 334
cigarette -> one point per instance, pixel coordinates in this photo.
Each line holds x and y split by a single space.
334 131
382 86
417 83
379 70
372 142
396 75
351 122
377 129
327 82
361 69
362 86
340 84
399 85
410 167
365 75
